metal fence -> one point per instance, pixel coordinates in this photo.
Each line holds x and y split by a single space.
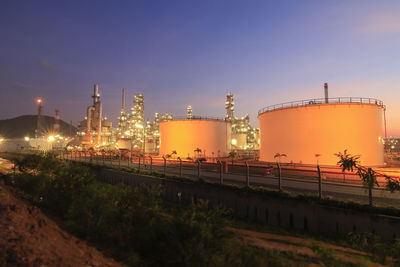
314 179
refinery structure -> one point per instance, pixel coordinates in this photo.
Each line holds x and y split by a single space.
306 131
138 135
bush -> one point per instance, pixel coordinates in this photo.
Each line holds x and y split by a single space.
133 222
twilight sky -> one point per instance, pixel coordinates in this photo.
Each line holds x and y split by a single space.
193 52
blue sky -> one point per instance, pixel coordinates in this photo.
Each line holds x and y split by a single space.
180 53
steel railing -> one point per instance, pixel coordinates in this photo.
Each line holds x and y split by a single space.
318 101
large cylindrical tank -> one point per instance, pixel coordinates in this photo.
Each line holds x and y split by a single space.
311 131
185 136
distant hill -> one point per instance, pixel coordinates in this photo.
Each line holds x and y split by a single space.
26 125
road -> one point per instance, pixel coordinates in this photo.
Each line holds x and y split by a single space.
352 192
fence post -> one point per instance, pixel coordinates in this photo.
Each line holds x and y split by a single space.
151 164
165 163
97 158
119 160
180 166
247 174
221 179
84 154
279 177
319 182
75 156
139 162
91 158
111 159
80 155
198 168
103 156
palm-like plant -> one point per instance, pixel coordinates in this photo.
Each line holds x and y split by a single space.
347 161
198 151
367 175
279 155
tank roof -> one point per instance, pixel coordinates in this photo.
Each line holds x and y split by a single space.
175 118
321 101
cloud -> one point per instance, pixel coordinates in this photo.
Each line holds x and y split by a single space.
46 65
381 23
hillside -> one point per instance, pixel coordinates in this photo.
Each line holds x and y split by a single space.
25 126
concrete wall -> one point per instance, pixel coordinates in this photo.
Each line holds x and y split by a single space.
325 129
285 213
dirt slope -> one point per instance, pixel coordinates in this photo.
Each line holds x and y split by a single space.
29 238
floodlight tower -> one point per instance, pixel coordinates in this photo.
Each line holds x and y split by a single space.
38 131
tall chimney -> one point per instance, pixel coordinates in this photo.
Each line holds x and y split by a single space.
96 95
123 98
326 93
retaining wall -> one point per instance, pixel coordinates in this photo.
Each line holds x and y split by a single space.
265 209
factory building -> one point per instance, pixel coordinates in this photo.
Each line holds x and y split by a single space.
197 137
244 136
94 130
311 131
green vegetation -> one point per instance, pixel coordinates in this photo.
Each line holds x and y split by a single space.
133 223
137 227
367 175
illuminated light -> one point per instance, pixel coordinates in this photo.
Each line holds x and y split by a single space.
26 138
50 138
137 125
234 141
39 100
1 139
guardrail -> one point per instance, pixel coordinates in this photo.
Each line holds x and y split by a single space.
318 101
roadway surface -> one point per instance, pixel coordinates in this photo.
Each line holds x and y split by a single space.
298 185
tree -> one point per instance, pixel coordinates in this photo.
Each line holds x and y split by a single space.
347 162
232 155
198 151
367 175
278 155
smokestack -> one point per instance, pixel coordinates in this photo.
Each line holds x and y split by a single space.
326 93
57 122
123 98
96 95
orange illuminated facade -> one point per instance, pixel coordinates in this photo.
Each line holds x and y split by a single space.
304 131
195 138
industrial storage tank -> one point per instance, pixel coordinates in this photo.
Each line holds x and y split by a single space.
314 130
195 137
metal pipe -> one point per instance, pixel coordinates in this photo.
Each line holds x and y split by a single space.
279 177
221 179
247 174
198 168
319 182
326 93
180 166
151 164
165 164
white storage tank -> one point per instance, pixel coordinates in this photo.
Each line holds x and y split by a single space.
185 136
304 129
